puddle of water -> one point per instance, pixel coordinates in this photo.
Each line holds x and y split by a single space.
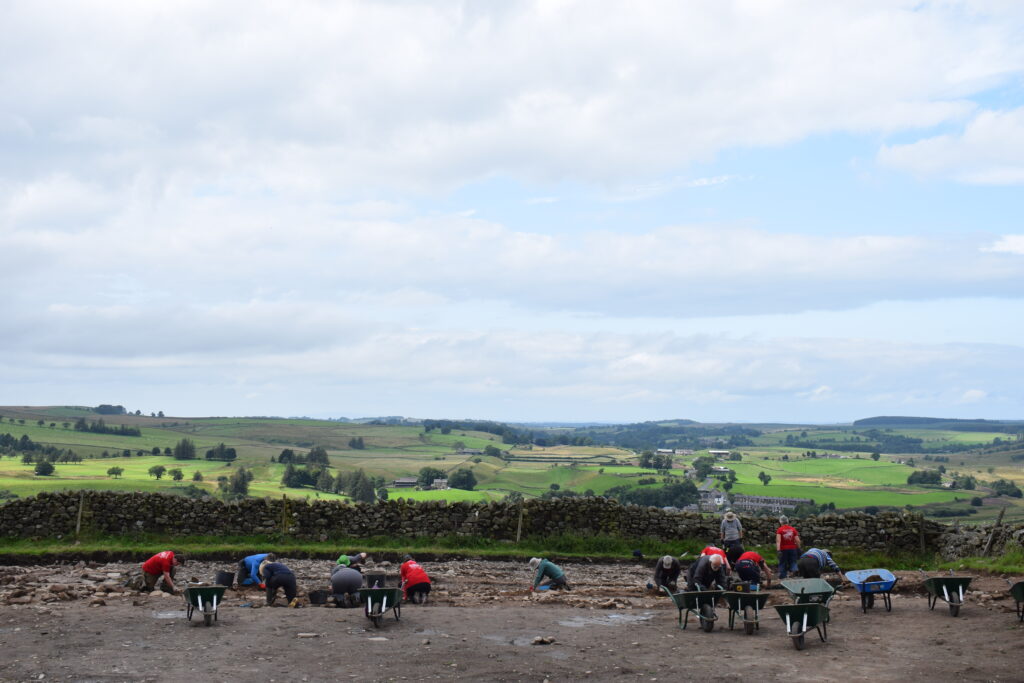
179 614
615 619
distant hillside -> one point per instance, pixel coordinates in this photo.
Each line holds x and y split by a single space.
952 424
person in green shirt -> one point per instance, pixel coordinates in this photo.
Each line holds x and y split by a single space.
548 573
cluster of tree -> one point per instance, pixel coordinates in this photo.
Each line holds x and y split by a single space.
764 477
234 487
100 427
184 450
107 409
462 478
50 455
508 434
678 494
356 442
672 434
221 452
965 482
656 461
925 477
943 423
356 484
936 458
157 471
1002 487
316 456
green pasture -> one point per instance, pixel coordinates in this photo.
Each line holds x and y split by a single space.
451 495
850 498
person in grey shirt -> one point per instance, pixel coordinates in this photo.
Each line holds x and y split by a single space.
732 536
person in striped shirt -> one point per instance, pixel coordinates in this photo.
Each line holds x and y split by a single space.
814 561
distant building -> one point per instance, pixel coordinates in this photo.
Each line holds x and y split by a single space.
439 484
405 483
719 454
666 451
720 469
769 503
470 451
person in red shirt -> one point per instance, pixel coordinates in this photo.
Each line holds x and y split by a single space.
415 582
787 543
161 565
715 550
750 566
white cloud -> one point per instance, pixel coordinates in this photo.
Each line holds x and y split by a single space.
973 396
989 151
1007 244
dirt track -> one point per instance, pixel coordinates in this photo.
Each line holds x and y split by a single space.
481 625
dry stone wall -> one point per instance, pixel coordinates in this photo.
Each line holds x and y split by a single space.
55 515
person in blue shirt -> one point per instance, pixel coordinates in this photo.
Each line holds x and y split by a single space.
814 561
249 567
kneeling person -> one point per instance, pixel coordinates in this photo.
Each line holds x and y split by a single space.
666 573
548 574
706 573
345 585
415 582
276 575
812 563
751 567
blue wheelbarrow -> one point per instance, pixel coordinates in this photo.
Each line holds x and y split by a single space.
872 582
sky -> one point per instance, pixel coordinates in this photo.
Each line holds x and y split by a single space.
727 211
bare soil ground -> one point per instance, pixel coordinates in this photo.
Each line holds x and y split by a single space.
481 624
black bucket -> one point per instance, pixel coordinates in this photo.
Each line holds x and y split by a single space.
318 597
225 579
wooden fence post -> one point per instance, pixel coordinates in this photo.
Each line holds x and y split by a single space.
519 529
81 504
992 536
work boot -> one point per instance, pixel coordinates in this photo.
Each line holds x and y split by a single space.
271 599
294 603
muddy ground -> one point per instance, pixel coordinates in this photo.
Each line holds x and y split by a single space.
76 622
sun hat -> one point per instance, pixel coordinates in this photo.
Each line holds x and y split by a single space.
534 562
666 561
730 515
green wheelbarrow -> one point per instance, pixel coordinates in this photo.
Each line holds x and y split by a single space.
378 601
205 599
750 604
809 590
700 604
948 588
801 618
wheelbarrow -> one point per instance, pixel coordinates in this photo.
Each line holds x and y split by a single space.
205 599
948 588
750 604
872 582
809 590
802 617
700 604
379 600
1017 591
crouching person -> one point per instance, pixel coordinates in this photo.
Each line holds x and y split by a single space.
706 573
666 573
415 582
752 568
345 585
160 566
548 573
276 575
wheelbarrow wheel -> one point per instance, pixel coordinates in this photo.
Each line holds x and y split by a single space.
954 605
798 638
208 618
748 621
377 620
707 621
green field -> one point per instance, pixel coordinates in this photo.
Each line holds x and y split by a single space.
393 451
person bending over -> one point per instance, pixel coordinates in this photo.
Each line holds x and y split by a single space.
666 573
548 573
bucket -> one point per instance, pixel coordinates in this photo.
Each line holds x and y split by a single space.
225 579
375 577
318 597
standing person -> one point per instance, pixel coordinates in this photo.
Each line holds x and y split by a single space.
751 567
345 585
548 574
249 569
707 572
787 544
815 561
666 573
415 581
276 575
161 565
732 536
